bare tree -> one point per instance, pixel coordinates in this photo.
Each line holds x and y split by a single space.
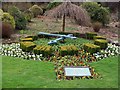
71 10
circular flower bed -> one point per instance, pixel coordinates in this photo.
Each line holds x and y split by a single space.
60 62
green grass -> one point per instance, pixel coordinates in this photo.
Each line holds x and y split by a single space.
19 73
47 25
44 41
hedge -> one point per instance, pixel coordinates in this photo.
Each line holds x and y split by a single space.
90 35
91 48
99 37
26 39
68 50
27 46
102 43
45 50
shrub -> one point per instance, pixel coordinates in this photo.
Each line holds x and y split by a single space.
36 10
53 4
97 12
1 14
99 37
20 20
91 48
96 26
8 19
33 37
7 30
28 15
102 43
45 50
26 39
90 35
27 46
68 50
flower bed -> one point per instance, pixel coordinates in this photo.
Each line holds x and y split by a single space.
81 59
70 62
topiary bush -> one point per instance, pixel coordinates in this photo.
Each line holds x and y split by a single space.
99 37
27 46
1 13
28 15
7 30
68 50
26 39
36 10
7 18
20 19
102 43
90 35
97 12
91 48
45 50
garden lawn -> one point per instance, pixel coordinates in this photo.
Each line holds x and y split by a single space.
20 73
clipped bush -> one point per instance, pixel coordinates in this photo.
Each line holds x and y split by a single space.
68 50
45 50
90 35
26 39
28 15
91 48
99 37
34 37
1 14
97 12
7 30
27 46
36 10
20 19
7 18
102 43
96 26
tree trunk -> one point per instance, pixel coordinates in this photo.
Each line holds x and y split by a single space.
63 27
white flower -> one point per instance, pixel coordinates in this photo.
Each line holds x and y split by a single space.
34 58
40 55
29 55
33 55
9 51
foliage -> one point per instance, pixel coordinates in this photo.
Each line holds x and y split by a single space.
45 50
20 20
70 61
8 19
96 26
97 12
99 37
7 30
28 15
102 43
68 50
90 35
75 12
36 10
27 46
53 4
91 48
26 39
1 13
